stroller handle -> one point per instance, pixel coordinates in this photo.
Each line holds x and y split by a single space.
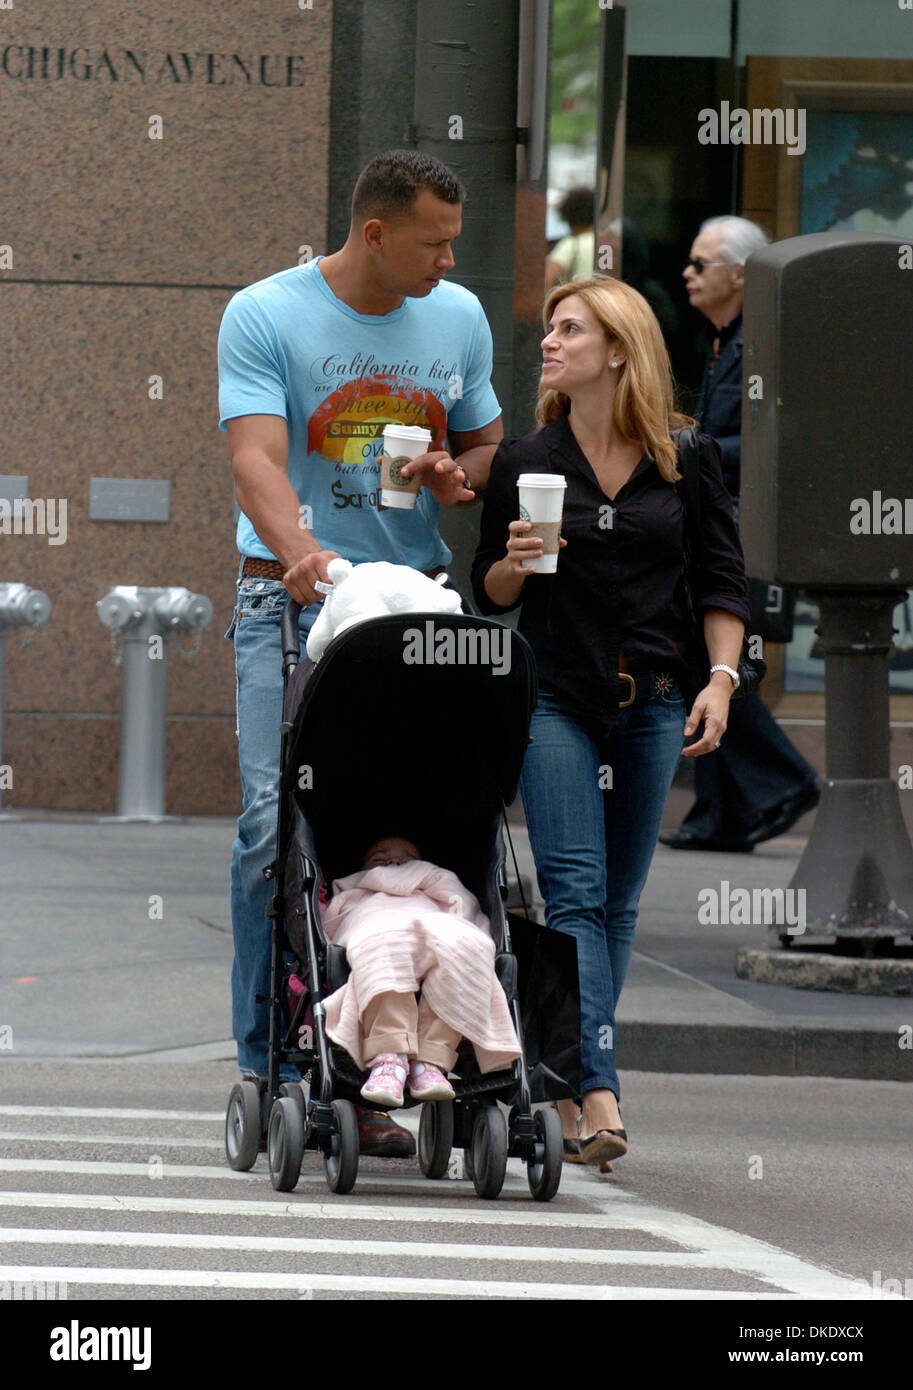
291 641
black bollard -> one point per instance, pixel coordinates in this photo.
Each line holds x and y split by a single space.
857 868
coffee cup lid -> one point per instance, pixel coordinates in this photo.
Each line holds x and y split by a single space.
541 480
407 431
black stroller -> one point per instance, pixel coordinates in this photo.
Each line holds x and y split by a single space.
439 768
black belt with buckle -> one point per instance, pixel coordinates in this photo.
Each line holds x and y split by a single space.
645 687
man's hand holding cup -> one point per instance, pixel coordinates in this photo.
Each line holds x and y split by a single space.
442 476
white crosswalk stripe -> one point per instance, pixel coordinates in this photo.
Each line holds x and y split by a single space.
602 1239
412 1249
85 1112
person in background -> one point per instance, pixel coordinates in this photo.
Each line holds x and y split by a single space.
572 258
757 784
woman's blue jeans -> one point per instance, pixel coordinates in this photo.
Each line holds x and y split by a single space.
258 667
593 822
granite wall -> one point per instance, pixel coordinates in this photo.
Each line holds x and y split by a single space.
155 157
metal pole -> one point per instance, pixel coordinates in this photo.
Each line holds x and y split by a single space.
857 868
856 632
610 137
144 711
2 674
465 114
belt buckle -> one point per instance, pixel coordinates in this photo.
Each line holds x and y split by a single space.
624 676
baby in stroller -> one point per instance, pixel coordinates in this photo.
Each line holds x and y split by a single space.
422 976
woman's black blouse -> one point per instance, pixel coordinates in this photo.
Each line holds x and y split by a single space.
619 579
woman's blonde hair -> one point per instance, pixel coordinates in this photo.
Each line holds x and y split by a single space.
643 410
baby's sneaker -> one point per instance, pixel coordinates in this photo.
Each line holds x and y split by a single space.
427 1082
385 1084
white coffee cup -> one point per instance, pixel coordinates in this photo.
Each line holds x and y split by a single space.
402 444
542 503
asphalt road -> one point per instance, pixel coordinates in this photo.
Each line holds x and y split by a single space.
114 1182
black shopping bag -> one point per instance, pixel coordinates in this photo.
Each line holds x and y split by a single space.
549 992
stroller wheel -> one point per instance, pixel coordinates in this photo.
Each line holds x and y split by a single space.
435 1137
543 1171
489 1151
242 1126
285 1144
341 1158
294 1089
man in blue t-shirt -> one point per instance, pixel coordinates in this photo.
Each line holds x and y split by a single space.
313 363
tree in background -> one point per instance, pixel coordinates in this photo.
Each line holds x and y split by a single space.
575 61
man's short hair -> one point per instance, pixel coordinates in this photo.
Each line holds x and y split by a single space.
390 184
738 237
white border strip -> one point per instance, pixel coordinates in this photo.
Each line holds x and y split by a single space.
303 1284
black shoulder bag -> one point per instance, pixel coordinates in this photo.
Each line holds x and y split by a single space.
752 669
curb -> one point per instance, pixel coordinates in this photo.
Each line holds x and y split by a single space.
735 1050
820 971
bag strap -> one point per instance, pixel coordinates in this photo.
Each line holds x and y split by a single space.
689 462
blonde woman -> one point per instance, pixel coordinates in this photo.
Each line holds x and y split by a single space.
610 635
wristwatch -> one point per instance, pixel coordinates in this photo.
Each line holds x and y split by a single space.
733 675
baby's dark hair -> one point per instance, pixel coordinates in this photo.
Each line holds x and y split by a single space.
398 834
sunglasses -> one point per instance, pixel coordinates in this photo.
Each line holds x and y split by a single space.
700 266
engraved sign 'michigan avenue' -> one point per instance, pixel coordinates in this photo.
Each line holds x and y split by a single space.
139 66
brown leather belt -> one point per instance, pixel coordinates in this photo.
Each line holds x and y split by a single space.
262 569
272 569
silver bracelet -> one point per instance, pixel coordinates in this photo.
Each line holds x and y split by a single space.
733 675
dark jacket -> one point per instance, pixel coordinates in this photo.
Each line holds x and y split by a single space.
719 405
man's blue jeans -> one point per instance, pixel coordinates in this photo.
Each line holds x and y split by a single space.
258 666
593 822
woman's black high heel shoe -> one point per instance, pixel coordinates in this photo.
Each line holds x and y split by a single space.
603 1145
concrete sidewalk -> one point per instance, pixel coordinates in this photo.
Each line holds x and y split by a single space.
115 940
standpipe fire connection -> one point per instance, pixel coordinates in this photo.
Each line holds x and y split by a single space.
144 619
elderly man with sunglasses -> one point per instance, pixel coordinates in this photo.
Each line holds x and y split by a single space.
715 282
757 784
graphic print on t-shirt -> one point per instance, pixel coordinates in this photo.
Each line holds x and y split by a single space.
289 347
346 430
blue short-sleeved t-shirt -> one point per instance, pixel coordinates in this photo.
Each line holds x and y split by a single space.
289 347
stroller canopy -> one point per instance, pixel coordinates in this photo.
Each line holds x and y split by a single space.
413 725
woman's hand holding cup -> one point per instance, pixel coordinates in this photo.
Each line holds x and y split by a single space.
522 547
533 541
